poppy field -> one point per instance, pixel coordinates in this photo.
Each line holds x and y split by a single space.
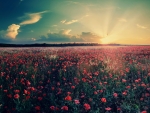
75 80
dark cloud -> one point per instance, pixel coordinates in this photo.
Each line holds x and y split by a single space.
61 36
64 36
90 37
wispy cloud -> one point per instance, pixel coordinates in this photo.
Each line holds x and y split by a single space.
84 16
72 2
54 25
68 22
122 20
109 8
71 22
32 18
63 21
140 26
12 31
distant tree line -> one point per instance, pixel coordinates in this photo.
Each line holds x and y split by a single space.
55 45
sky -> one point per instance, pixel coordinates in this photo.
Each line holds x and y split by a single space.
63 21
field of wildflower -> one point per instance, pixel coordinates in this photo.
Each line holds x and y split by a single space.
75 80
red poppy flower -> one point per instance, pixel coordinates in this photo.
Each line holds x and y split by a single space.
9 95
16 91
103 100
25 91
124 93
77 101
68 98
16 96
5 90
52 107
37 108
115 95
108 109
87 106
65 108
144 112
40 98
27 97
72 87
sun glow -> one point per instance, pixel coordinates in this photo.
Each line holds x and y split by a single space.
114 27
109 39
103 23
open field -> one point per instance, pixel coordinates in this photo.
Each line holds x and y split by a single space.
75 80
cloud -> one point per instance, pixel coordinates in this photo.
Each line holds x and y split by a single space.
33 39
31 31
140 26
68 22
122 20
12 31
71 2
2 33
63 21
65 32
54 25
61 36
65 36
109 8
3 38
73 21
89 37
83 17
32 18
